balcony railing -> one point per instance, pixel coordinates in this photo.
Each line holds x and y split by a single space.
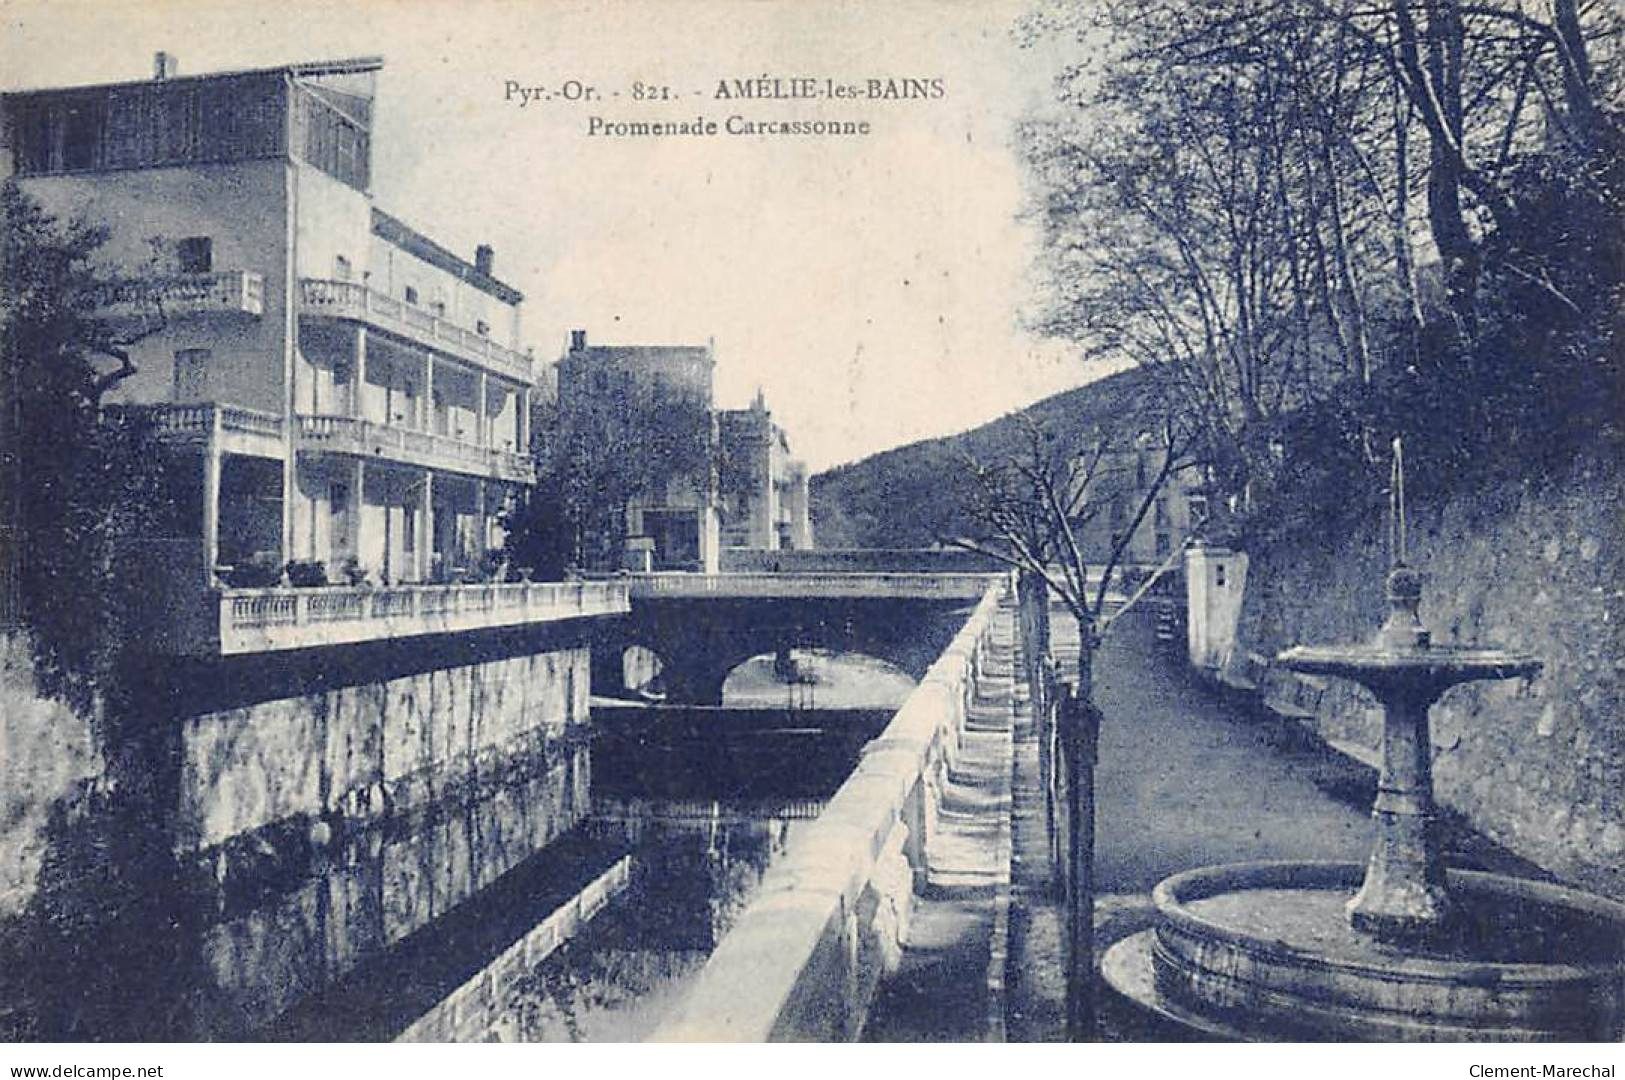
226 292
261 620
198 420
353 435
245 430
351 300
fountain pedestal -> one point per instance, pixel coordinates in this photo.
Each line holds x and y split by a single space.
1405 898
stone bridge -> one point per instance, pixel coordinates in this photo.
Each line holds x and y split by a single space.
702 626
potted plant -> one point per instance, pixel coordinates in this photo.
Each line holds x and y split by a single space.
306 573
354 571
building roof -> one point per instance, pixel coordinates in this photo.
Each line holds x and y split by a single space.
409 239
311 69
639 350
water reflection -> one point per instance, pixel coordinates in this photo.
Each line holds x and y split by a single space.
326 932
696 867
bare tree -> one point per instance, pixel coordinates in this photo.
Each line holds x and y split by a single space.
1033 512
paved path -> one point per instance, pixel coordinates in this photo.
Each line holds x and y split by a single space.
1183 781
1186 779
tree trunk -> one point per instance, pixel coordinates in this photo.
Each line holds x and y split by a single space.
1080 724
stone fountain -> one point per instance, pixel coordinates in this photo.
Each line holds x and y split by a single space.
1281 950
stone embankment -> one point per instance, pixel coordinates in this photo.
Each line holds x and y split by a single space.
898 883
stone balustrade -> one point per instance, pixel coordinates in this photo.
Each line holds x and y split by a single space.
806 957
363 438
223 292
263 620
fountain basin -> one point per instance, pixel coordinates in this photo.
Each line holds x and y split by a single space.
1440 666
1265 951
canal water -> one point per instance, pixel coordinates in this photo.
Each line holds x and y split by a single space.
703 819
484 918
690 809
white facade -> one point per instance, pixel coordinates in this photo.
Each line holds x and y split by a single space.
348 391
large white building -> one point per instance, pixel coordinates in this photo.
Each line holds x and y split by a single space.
342 388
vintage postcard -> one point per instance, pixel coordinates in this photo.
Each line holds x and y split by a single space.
1036 521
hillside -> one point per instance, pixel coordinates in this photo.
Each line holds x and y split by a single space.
911 496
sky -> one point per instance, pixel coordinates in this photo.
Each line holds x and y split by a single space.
873 287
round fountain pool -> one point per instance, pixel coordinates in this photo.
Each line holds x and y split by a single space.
1265 951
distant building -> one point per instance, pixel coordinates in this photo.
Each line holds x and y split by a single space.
1122 481
676 523
763 489
338 386
747 493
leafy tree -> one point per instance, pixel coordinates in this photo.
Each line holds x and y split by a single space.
86 480
1266 200
595 453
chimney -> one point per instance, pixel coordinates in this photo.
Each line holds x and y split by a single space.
578 340
164 66
483 259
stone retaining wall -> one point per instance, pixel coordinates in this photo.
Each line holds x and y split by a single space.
1538 766
275 821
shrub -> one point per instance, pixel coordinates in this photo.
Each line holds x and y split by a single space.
306 573
262 571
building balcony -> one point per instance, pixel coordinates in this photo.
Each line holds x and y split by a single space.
357 303
184 296
363 438
234 429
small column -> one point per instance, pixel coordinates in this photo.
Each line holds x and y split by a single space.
482 528
426 540
211 497
482 434
358 476
426 406
523 406
360 371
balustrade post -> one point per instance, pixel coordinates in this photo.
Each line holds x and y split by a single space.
360 370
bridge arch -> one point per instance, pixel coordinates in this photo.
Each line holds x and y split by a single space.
817 678
703 639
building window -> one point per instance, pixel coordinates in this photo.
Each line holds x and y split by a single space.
411 294
81 136
1164 545
1196 505
196 254
1218 575
191 375
438 307
482 327
341 268
1161 510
